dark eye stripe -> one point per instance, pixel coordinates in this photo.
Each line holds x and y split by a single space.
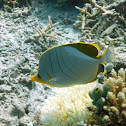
39 76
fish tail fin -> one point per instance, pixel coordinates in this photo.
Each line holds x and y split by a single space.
109 55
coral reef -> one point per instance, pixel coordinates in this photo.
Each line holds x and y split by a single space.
66 108
19 98
73 106
110 100
102 19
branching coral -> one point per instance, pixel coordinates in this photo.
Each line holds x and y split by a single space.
102 20
44 33
110 100
11 5
8 4
13 2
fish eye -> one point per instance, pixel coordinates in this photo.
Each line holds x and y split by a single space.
39 76
96 89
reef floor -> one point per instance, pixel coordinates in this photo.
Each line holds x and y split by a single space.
21 46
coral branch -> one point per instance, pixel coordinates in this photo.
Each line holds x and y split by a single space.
101 8
13 2
101 19
109 30
83 10
44 33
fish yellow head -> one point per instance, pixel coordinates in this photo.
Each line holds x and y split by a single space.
38 78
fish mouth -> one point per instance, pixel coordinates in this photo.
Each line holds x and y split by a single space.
32 78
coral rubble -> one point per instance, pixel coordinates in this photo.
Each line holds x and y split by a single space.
102 18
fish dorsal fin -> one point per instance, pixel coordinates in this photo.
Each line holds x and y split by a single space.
89 49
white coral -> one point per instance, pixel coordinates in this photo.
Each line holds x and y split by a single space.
67 107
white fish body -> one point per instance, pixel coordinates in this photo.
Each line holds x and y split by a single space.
66 66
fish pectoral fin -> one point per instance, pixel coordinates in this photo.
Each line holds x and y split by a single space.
50 78
49 75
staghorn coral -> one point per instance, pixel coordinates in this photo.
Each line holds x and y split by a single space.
110 100
12 5
48 28
43 33
66 108
102 19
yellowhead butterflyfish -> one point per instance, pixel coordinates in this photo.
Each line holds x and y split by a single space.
72 64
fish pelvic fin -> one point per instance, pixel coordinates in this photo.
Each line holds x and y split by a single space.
40 80
109 55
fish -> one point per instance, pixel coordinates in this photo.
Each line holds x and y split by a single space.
72 64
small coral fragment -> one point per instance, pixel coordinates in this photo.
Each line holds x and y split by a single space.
121 73
120 96
106 120
107 86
